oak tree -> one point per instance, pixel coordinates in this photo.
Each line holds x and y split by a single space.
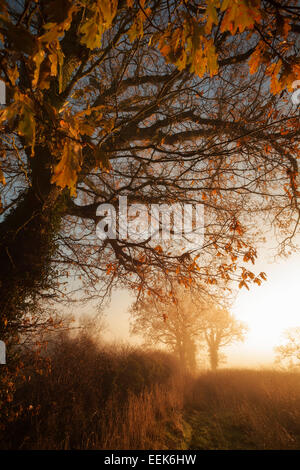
160 101
220 329
288 353
173 325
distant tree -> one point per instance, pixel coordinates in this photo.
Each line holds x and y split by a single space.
288 354
185 324
176 325
220 329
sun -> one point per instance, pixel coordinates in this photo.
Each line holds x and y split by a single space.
268 310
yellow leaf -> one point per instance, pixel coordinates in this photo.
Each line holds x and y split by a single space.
212 16
225 4
37 60
92 34
26 126
66 171
53 58
108 10
53 33
103 13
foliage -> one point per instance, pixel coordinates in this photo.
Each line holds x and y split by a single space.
156 101
79 403
89 396
26 357
164 102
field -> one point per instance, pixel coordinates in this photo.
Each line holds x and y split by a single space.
109 397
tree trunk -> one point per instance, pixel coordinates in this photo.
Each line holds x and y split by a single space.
214 357
26 246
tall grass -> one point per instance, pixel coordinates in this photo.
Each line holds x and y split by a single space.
246 409
94 397
117 397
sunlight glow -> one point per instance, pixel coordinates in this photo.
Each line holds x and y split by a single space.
268 310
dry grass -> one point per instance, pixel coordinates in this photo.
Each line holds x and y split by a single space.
144 420
243 409
123 398
97 398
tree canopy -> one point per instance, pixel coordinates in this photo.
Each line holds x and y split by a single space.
157 100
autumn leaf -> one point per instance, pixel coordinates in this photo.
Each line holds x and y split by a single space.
211 14
137 28
27 125
37 59
188 46
243 284
108 10
240 15
101 15
258 57
2 177
91 34
273 70
101 158
66 171
44 75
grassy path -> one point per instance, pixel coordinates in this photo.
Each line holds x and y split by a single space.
210 432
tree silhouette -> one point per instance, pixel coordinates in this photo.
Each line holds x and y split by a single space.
288 354
175 325
183 325
220 329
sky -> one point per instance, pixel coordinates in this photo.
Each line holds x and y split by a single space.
268 310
